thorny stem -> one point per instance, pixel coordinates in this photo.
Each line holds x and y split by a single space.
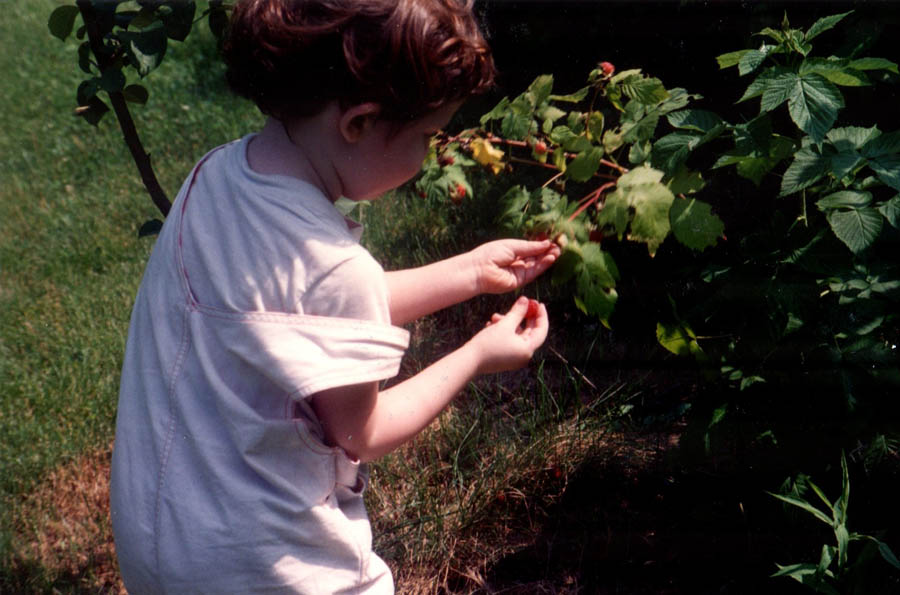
126 123
590 199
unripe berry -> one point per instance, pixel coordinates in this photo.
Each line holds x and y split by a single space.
540 147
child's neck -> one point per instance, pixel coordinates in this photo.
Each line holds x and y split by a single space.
273 152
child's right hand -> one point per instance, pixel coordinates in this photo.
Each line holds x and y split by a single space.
508 344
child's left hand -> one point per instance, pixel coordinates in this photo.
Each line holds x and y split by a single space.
506 265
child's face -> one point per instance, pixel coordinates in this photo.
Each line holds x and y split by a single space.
390 157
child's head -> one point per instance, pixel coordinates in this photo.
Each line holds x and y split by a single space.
411 57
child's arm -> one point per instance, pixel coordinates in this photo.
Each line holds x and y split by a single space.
367 423
494 267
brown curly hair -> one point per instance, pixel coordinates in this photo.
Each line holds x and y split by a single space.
292 57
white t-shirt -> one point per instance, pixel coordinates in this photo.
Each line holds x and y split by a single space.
257 295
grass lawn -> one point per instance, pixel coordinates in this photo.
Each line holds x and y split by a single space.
567 477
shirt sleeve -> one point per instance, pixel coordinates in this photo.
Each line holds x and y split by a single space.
355 288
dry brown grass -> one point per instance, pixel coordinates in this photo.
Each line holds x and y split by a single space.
63 538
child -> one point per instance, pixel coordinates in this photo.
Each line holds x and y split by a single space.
250 397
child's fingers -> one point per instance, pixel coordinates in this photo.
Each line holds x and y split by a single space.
537 327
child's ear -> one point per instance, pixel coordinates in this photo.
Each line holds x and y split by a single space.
357 120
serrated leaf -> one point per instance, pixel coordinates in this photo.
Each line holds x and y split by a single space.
497 113
671 151
874 64
855 137
761 82
686 181
814 104
540 89
824 24
806 169
651 203
879 145
642 130
835 70
778 88
753 59
62 21
565 266
614 215
694 224
845 199
887 168
572 97
891 211
694 119
731 58
516 123
857 228
593 298
599 264
648 91
585 165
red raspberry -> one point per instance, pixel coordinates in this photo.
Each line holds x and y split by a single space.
540 147
533 307
607 68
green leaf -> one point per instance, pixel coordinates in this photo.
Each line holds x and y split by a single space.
92 110
694 224
824 24
565 266
778 88
572 97
112 80
599 264
84 57
806 169
146 48
857 228
585 165
62 20
150 228
761 82
145 17
497 113
685 181
540 89
694 119
731 58
672 150
593 298
891 211
516 124
887 169
679 339
651 203
179 19
814 105
615 216
874 64
803 504
753 59
136 94
835 70
885 144
845 199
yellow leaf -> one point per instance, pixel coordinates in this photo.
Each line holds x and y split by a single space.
486 154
